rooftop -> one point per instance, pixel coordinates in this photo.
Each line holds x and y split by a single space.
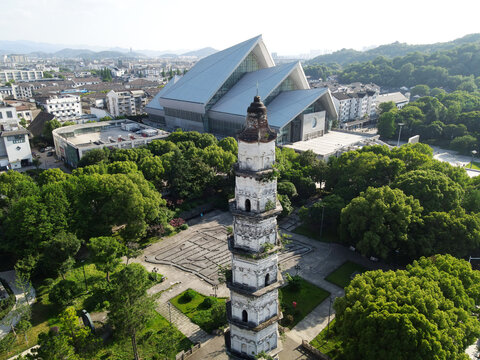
107 132
396 97
332 142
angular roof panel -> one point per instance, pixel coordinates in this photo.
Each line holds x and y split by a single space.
155 103
288 104
239 97
204 79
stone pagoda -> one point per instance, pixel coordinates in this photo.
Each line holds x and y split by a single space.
253 310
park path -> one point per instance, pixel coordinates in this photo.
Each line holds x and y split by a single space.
10 277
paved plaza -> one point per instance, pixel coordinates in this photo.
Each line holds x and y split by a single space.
202 248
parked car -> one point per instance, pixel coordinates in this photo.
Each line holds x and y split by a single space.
42 150
48 148
50 153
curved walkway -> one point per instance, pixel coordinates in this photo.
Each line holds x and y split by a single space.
10 278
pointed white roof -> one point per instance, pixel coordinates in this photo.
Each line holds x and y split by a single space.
240 96
204 79
155 102
287 105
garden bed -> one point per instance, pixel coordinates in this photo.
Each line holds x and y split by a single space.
345 273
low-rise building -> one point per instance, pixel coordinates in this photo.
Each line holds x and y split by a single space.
86 81
74 141
398 98
15 149
126 103
20 75
63 107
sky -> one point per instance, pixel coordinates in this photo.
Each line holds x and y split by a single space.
288 27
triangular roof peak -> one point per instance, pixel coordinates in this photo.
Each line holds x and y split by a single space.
204 79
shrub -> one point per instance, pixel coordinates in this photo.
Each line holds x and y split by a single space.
208 302
177 222
64 292
188 295
183 227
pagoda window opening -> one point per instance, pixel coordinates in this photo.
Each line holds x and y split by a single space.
244 316
267 279
248 205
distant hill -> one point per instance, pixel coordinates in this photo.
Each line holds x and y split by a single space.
349 56
201 53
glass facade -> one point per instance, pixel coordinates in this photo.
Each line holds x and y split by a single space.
286 85
227 128
182 114
248 65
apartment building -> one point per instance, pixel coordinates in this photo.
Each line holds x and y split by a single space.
126 103
20 75
63 107
355 105
15 149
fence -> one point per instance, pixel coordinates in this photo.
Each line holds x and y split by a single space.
315 352
182 355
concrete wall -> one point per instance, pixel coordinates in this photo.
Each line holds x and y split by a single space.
252 273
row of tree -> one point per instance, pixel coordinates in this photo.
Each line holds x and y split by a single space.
399 204
428 311
446 119
455 69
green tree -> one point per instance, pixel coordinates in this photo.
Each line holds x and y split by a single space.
464 144
64 292
379 222
106 252
423 312
60 251
53 346
130 306
48 128
434 190
386 125
420 90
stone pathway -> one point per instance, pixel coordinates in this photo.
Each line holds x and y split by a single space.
183 323
9 277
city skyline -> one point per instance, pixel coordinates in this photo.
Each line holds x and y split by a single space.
292 29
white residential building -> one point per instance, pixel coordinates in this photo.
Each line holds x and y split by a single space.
22 91
20 75
125 103
63 107
86 81
355 105
15 149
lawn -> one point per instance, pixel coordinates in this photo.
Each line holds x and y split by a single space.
332 348
45 314
328 235
307 297
473 165
343 275
207 317
158 338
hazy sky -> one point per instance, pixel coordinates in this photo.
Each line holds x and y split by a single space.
288 27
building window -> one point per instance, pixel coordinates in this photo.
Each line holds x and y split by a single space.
9 114
16 139
248 205
244 316
267 279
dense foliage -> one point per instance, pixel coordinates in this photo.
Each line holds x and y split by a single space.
348 56
450 120
428 311
397 204
455 69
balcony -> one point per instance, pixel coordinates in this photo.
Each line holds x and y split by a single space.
258 175
250 325
255 291
250 253
260 215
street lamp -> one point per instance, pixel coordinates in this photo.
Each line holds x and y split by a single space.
399 133
84 276
170 313
474 152
329 312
